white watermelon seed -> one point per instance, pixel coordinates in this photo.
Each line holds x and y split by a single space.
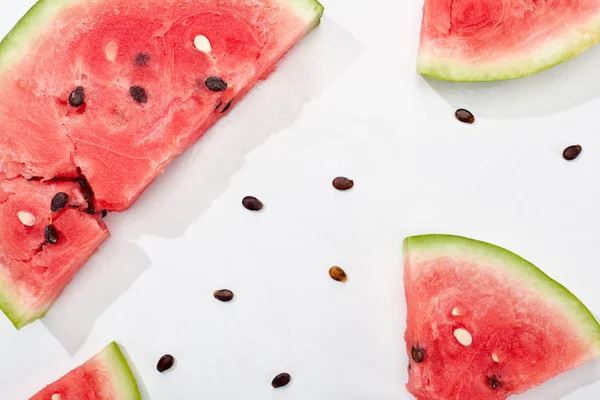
56 396
495 357
463 336
111 50
202 43
457 311
27 218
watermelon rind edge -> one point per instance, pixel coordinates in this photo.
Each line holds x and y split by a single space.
310 11
10 307
435 245
122 376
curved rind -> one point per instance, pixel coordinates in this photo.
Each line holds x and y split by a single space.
120 373
443 245
310 11
553 53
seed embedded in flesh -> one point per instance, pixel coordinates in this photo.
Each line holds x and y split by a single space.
494 382
202 43
111 51
464 116
463 336
59 201
223 295
417 354
342 183
338 274
572 152
495 357
77 97
139 94
56 396
252 203
227 106
165 363
91 209
51 234
457 311
104 213
281 380
141 60
86 190
216 84
26 218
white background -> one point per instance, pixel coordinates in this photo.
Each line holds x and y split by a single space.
346 101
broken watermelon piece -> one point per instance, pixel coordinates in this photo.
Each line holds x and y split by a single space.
107 376
474 40
483 323
33 272
116 89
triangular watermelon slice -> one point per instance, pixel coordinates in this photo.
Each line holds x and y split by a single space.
484 40
107 376
483 323
116 89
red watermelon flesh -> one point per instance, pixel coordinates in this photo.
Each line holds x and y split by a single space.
113 47
482 40
107 376
522 328
33 273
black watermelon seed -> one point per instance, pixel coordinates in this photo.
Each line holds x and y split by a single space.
417 354
77 97
252 203
409 366
494 382
227 106
218 105
216 84
281 380
104 213
51 234
59 201
572 152
464 116
141 60
165 363
343 183
86 190
91 209
223 295
139 94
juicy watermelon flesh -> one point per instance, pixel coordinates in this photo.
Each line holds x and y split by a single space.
121 145
107 376
495 39
32 272
508 319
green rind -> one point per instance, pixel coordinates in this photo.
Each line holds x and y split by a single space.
310 11
19 314
433 246
121 375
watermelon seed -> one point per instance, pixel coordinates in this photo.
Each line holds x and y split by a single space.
77 97
572 152
91 209
139 94
202 43
252 203
417 354
86 190
338 274
51 234
111 50
165 363
457 311
26 218
464 116
227 106
281 380
216 84
56 396
141 60
104 213
223 295
218 105
463 336
342 183
495 357
494 382
59 201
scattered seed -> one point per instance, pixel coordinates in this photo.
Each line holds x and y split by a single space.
56 396
218 105
338 274
572 152
86 190
223 295
51 234
59 201
281 380
343 183
111 51
202 43
417 354
458 311
409 366
463 336
252 203
494 382
227 106
464 116
26 218
104 213
77 97
139 94
165 363
216 84
141 60
495 357
91 209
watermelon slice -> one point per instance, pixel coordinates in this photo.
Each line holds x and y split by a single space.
484 323
33 272
107 376
484 40
116 89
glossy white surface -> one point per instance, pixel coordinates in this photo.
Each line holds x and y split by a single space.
346 101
